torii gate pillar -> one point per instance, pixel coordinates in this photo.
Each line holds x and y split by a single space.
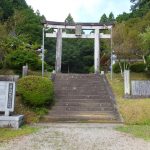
58 51
97 51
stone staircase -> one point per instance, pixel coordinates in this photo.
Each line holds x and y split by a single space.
83 98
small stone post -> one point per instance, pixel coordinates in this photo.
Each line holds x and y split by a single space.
24 70
126 82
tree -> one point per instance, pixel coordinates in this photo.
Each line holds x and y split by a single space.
6 9
104 19
139 4
69 19
111 17
123 17
16 59
145 41
19 4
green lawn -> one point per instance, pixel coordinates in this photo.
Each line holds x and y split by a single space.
135 112
7 133
141 131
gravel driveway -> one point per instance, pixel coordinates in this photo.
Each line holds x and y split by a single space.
77 137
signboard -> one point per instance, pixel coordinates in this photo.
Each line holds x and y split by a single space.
7 96
140 88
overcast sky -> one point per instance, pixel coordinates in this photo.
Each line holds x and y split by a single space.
81 10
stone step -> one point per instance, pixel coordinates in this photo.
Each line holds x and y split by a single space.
73 113
82 108
75 89
82 97
83 94
66 96
84 104
84 101
78 83
81 118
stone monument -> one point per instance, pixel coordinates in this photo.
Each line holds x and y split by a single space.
7 101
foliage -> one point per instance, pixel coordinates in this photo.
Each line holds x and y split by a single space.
120 66
31 114
129 38
139 4
9 134
138 67
29 24
105 19
111 17
1 65
35 90
7 8
116 68
18 58
125 41
145 40
148 63
141 131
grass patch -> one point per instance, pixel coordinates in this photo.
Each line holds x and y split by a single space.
32 115
39 73
141 131
7 133
134 111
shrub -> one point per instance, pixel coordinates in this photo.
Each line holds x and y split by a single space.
116 67
91 69
35 90
1 65
138 67
16 59
148 62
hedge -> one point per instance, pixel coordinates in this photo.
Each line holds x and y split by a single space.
35 90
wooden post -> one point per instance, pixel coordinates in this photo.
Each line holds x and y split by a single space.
58 51
96 51
126 82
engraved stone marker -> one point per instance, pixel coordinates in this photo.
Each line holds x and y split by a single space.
7 96
7 99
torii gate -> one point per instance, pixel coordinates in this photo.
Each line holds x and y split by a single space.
78 27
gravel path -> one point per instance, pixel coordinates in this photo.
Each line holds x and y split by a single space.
77 137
